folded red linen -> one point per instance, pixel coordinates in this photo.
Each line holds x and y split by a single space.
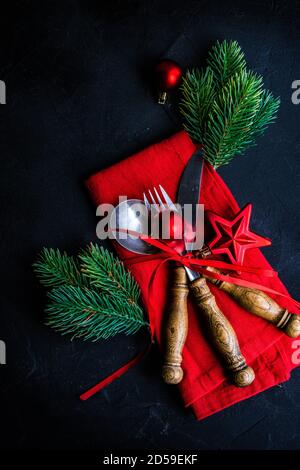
204 387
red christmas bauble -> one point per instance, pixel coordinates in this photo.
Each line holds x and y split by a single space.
168 76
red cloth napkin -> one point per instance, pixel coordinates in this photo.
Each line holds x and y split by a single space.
204 387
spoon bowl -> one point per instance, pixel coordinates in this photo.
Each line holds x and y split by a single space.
131 215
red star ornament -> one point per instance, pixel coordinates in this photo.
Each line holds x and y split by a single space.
233 237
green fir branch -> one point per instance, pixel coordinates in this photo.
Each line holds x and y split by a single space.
107 273
92 296
232 117
225 59
224 106
54 269
266 114
198 92
90 315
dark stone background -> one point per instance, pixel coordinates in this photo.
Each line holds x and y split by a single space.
79 99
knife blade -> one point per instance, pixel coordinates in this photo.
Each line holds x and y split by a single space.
189 193
190 184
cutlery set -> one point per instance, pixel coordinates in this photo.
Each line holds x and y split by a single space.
185 281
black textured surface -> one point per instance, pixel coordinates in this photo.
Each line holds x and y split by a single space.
79 99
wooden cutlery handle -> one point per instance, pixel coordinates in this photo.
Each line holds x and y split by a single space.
176 327
222 334
259 303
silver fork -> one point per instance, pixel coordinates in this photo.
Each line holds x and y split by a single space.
164 202
221 332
